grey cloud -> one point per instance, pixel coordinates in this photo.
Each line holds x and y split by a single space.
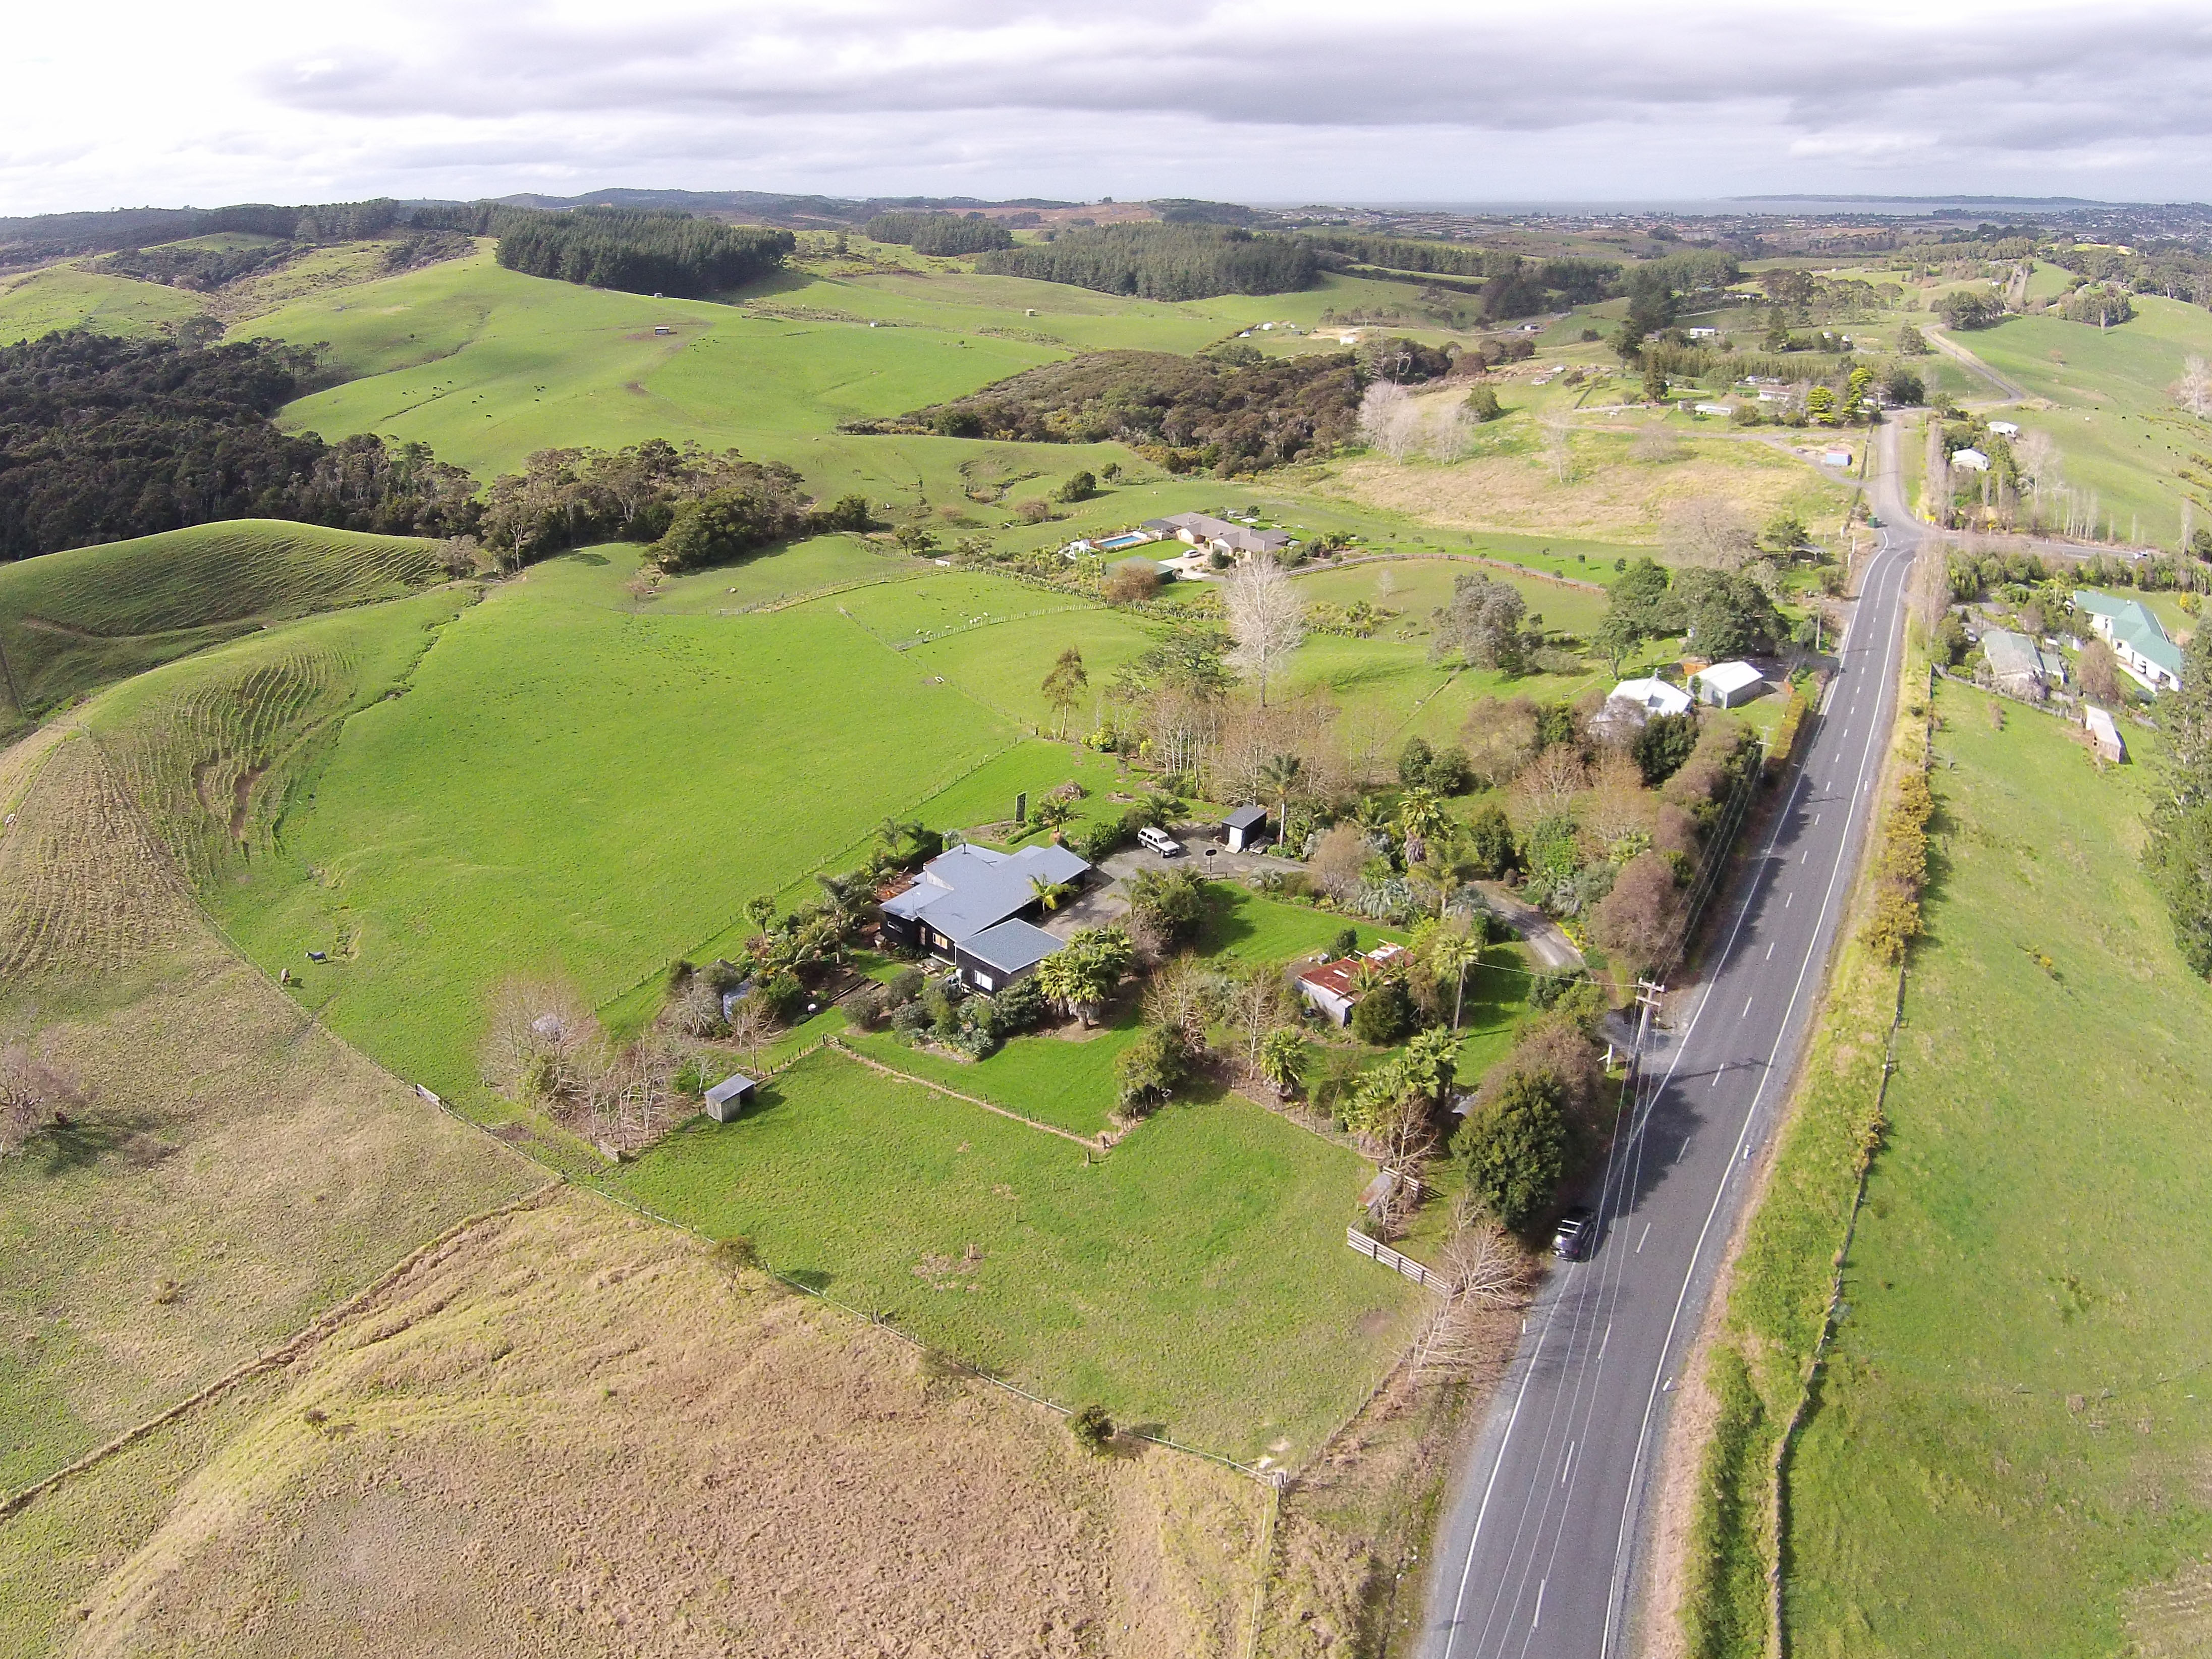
2122 70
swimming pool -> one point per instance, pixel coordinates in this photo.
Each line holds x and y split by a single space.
1128 538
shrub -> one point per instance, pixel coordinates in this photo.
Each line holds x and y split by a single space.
1664 744
1514 1148
1130 583
1148 1070
1450 772
1413 761
1490 842
1092 1429
1033 510
1384 1016
1021 1006
1345 943
1081 486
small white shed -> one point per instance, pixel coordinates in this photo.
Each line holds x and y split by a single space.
2005 429
1725 684
730 1097
1972 460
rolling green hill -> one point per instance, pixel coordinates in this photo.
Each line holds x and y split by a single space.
74 621
64 296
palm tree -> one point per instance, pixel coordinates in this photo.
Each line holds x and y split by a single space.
1282 774
1049 894
1420 815
1283 1058
1453 954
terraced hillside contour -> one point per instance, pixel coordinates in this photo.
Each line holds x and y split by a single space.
73 622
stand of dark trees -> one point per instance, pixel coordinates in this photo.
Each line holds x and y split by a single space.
943 234
1185 413
1657 289
1510 285
63 235
1190 210
1163 261
102 439
696 507
638 253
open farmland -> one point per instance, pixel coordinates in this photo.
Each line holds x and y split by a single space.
570 786
72 622
2009 1443
567 1385
1195 1278
2115 426
64 296
238 1169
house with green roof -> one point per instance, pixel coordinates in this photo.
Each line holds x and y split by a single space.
2138 639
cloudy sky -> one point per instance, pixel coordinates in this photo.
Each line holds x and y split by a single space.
107 103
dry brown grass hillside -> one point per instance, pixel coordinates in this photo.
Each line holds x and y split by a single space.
572 1431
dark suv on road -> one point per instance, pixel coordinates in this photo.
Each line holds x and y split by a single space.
1576 1231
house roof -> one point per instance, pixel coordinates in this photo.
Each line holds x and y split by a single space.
2102 604
2011 653
1655 696
969 889
1246 817
729 1087
1337 977
1728 678
2133 625
1011 946
1237 535
1972 460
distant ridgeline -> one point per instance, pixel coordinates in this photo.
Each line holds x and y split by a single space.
66 235
1182 413
102 439
940 233
1163 261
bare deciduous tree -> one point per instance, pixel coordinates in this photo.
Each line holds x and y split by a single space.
1388 420
1266 616
1483 1265
1184 995
541 1039
1706 532
1500 738
1258 1002
1550 783
1338 861
696 1009
2193 391
36 1092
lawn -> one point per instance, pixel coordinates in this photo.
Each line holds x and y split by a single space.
2011 1442
1067 1081
570 787
72 622
1414 587
1251 927
1196 1278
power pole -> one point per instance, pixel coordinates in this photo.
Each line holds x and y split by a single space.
1648 993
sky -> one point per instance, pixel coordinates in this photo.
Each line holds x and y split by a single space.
113 103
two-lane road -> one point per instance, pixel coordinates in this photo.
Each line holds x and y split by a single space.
1537 1557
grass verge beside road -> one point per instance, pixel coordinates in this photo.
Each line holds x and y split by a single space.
1760 1362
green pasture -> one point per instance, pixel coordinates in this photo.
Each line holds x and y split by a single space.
2011 1437
1414 587
64 297
2116 428
1195 1279
73 620
570 786
1249 926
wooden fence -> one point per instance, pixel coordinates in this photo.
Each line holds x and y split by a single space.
1404 1266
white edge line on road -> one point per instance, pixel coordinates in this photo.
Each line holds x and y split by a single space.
1720 1192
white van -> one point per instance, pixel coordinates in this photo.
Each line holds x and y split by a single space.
1160 842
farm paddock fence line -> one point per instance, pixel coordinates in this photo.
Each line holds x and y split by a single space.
1404 1266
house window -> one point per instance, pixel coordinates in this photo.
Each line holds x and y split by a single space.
983 982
